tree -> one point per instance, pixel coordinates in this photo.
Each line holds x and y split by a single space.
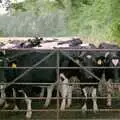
99 19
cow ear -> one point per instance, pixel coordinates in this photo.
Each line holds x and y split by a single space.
81 59
3 52
82 54
77 61
106 54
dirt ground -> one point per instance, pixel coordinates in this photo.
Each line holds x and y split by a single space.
65 115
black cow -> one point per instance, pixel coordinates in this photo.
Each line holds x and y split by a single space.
112 59
31 43
33 76
14 75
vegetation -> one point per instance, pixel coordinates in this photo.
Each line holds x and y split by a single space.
99 19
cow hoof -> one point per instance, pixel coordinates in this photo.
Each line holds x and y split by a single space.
95 110
28 115
109 106
68 106
62 108
84 108
46 106
6 106
15 108
2 101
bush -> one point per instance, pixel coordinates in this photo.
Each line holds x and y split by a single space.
25 24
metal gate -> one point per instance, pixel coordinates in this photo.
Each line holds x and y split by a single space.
54 112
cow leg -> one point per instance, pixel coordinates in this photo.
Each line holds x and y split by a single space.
49 95
42 92
69 100
28 102
64 91
109 93
3 95
10 92
15 105
14 101
95 106
84 107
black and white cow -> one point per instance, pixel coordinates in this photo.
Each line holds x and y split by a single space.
14 75
112 59
86 59
33 76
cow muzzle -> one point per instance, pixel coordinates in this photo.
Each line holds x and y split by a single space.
115 62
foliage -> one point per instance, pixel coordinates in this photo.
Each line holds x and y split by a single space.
1 33
26 24
116 20
93 18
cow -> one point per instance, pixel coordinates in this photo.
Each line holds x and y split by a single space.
16 58
86 59
112 59
81 75
34 76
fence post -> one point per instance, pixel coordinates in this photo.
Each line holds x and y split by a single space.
58 82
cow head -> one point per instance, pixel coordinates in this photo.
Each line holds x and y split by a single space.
88 60
112 58
99 59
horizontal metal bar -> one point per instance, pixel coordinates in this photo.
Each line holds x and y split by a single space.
60 67
60 49
79 119
91 110
97 50
28 49
66 110
101 118
55 98
34 110
72 83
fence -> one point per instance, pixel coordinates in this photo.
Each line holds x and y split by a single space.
56 52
